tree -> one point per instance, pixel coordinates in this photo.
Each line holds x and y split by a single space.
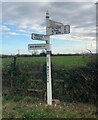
43 53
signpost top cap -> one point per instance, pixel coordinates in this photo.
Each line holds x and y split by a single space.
47 14
96 2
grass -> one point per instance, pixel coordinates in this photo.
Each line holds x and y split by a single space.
0 106
57 60
27 108
69 60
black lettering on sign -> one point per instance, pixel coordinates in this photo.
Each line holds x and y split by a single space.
47 73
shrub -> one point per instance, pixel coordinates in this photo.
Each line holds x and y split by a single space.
79 82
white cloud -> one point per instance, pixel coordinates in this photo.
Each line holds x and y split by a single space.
21 30
4 28
12 33
30 17
15 34
49 1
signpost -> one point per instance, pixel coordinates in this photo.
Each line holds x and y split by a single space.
52 28
48 60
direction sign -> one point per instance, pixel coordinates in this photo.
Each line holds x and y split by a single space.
39 37
37 46
60 30
57 28
66 29
54 24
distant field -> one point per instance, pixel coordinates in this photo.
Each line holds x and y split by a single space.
57 60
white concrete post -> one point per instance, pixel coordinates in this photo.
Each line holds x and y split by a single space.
48 60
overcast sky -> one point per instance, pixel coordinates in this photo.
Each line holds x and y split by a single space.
20 19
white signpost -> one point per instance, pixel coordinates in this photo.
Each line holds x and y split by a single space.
49 83
52 28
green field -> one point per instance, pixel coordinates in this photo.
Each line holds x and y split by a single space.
68 61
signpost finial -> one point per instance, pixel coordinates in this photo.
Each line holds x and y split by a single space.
47 14
96 2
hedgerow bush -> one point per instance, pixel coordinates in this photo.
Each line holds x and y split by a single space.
79 82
